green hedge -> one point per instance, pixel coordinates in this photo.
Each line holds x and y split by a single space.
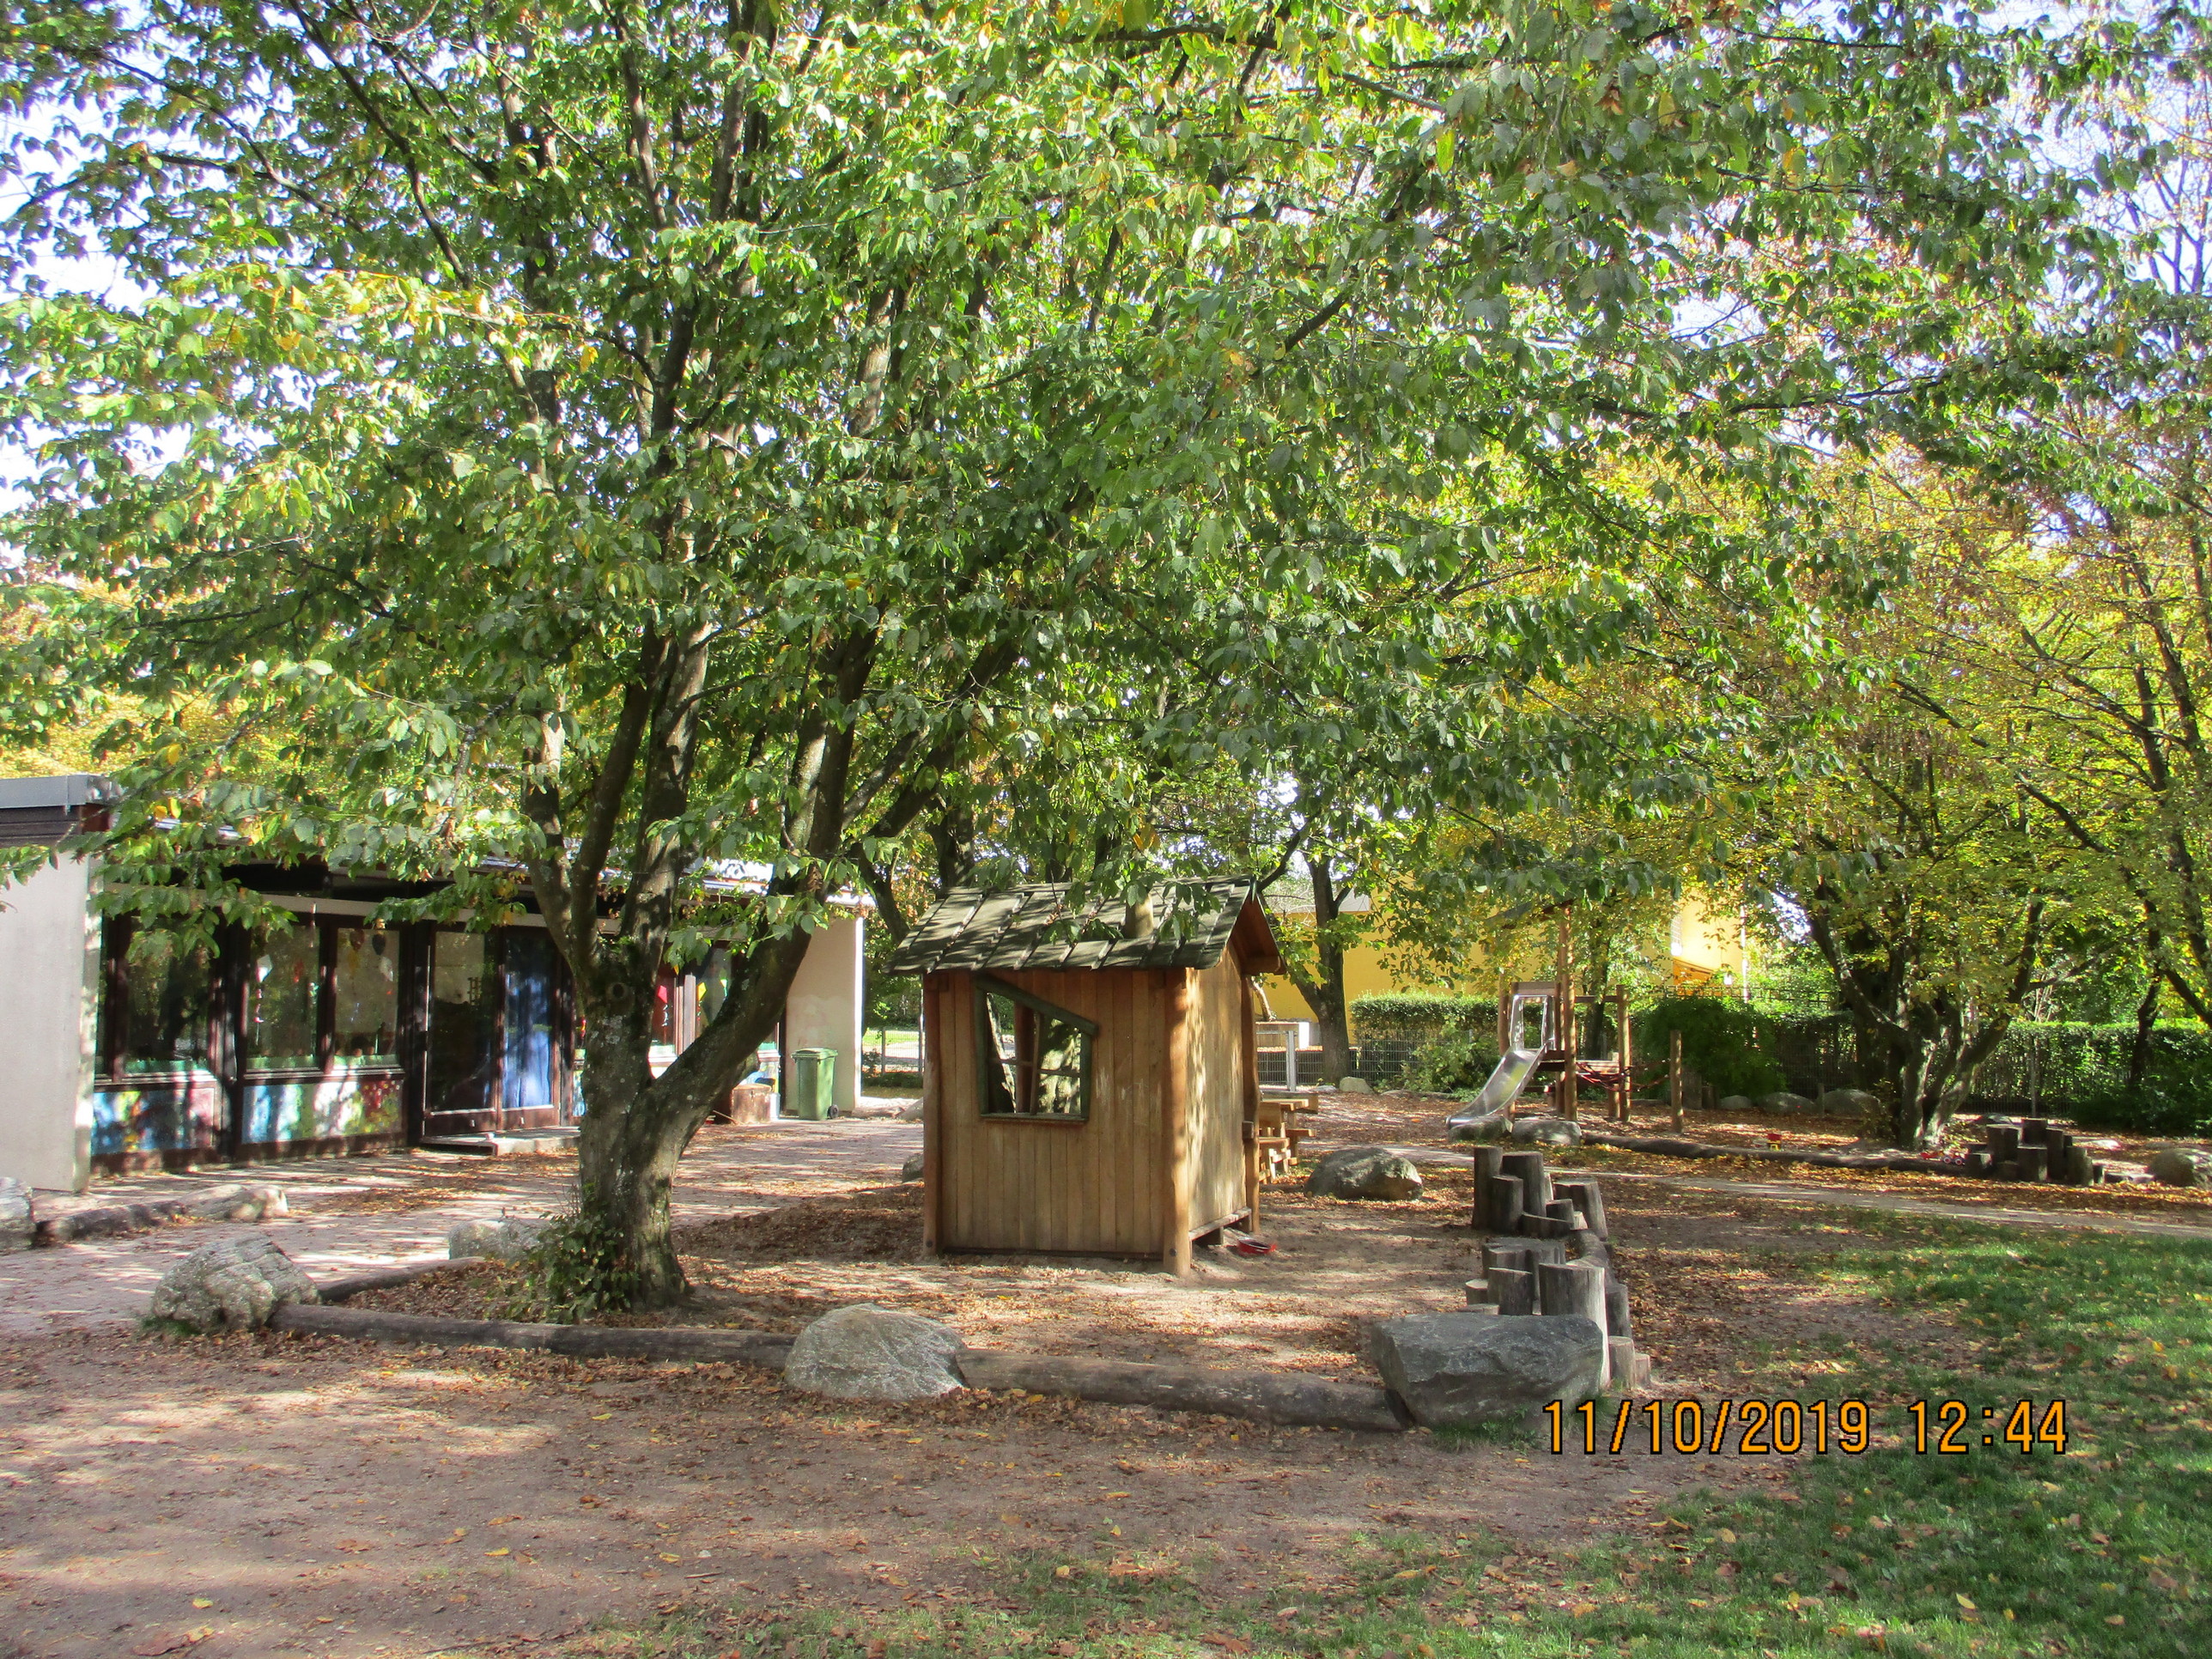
1721 1043
2079 1071
1420 1017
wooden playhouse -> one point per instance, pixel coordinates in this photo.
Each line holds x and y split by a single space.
1090 1080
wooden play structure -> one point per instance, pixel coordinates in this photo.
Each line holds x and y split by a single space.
1089 1081
1578 1042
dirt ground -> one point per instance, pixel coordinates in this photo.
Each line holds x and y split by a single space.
279 1495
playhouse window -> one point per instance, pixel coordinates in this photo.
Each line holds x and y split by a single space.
1034 1059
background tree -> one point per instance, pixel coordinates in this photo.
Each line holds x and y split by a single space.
615 443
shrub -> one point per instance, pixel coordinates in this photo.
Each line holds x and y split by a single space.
2077 1070
1419 1017
1453 1063
1720 1042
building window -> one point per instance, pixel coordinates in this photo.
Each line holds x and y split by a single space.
282 981
1034 1059
318 992
167 1005
366 990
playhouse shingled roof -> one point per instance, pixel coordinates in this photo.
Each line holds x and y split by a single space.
1034 927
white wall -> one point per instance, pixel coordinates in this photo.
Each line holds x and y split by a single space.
824 1007
49 1010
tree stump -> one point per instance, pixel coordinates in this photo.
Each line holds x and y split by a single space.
1571 1288
1585 1197
1616 1309
1499 1254
2031 1161
1535 1184
1504 1205
1513 1291
1487 1167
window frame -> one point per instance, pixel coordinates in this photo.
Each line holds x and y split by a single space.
986 986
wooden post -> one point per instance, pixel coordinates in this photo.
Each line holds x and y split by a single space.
934 994
1626 1043
1675 1075
1175 1138
1569 1101
1250 1044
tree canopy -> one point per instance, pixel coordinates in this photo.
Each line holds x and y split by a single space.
613 442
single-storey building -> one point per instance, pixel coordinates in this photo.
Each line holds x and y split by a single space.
1089 1084
125 1046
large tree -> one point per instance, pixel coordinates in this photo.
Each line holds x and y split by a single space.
616 440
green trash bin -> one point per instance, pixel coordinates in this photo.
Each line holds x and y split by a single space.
813 1084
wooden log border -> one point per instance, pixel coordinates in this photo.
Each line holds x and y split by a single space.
1669 1147
1289 1399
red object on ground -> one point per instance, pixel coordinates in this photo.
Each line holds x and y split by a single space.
1253 1247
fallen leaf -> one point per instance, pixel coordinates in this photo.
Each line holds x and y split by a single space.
202 1602
502 1551
1964 1602
160 1644
2116 1619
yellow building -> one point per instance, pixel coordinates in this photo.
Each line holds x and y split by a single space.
1705 942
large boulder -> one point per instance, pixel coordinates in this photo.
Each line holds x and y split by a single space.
1783 1103
1734 1105
1853 1103
1457 1369
233 1284
1547 1132
19 1228
1496 1127
1353 1085
2181 1166
911 1168
510 1238
868 1352
1364 1172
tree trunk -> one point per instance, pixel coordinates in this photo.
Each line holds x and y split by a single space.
637 1125
2146 1023
1322 984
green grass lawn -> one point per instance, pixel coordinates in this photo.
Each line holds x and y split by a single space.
2104 1550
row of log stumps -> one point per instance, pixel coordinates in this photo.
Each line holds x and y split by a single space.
2032 1149
1547 1251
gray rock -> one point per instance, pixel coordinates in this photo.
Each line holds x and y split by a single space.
2181 1166
1736 1105
233 1284
1494 1129
510 1238
1353 1085
1364 1172
867 1352
19 1228
1782 1103
1547 1132
1854 1103
911 1169
1458 1369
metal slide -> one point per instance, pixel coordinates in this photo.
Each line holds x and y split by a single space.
1504 1088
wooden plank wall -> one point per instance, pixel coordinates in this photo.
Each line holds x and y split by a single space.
1218 1035
1009 1185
